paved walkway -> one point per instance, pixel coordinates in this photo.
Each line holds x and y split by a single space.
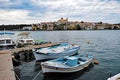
6 67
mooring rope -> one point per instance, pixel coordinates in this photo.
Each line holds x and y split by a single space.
17 76
37 75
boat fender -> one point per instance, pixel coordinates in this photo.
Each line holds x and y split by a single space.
96 62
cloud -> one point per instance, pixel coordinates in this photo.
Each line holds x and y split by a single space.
84 5
4 1
93 10
15 17
35 11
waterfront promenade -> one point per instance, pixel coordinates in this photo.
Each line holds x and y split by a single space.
6 65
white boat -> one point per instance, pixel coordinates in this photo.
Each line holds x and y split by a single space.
116 77
6 40
67 64
25 39
63 49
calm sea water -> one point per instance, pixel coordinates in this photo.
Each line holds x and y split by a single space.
104 45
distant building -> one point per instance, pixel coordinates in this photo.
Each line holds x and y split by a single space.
89 26
107 26
46 26
27 28
114 26
49 26
63 20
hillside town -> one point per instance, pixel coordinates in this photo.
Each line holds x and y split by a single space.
63 24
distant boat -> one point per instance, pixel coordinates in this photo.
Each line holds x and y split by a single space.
116 77
67 64
5 40
63 49
24 39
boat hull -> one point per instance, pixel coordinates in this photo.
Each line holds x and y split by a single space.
40 57
116 77
47 70
7 45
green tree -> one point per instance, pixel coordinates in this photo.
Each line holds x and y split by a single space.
78 27
45 27
55 26
82 22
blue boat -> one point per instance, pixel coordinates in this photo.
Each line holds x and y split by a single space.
67 64
63 49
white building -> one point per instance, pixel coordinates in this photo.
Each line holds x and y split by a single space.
27 28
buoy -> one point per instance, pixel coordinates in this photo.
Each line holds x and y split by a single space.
96 62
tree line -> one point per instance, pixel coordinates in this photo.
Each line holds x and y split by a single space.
13 27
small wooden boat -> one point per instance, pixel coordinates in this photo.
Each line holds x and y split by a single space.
67 64
24 39
6 40
63 49
116 77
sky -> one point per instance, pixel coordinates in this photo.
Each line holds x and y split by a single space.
37 11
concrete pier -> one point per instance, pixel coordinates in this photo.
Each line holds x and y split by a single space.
6 65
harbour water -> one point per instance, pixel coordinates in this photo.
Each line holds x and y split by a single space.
104 45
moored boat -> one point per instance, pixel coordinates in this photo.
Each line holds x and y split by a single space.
6 40
63 49
24 39
116 77
67 64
